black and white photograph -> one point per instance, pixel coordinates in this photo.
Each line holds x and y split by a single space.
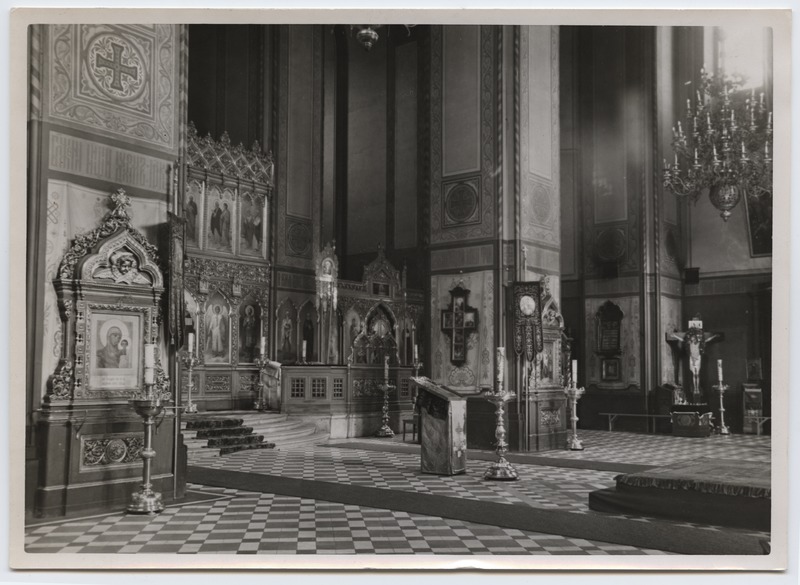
256 409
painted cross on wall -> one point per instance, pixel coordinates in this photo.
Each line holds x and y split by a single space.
458 322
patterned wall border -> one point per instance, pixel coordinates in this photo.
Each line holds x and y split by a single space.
486 227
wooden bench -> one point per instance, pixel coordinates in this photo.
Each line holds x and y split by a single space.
612 416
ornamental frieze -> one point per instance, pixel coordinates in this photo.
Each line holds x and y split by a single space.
111 451
209 269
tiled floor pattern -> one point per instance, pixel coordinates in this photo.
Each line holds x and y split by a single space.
539 486
252 523
244 522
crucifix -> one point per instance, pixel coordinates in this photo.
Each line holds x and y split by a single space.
458 322
693 342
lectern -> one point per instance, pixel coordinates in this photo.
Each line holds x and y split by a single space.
443 428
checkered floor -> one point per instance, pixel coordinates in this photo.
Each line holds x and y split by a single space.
255 523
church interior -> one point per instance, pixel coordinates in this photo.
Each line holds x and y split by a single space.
399 289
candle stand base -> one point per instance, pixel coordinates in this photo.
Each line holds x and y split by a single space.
501 470
574 444
145 502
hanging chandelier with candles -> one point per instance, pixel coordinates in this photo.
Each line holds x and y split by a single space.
726 146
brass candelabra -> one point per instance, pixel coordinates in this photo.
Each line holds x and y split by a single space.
190 361
501 469
722 388
573 395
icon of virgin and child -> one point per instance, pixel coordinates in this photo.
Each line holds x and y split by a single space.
114 352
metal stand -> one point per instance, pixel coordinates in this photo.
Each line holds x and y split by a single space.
721 388
190 361
385 430
147 501
261 400
501 469
573 394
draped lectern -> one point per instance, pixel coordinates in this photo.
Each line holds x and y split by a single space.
443 428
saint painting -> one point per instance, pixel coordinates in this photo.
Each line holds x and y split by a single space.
252 226
249 333
219 220
216 332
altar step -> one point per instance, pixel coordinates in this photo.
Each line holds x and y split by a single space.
233 431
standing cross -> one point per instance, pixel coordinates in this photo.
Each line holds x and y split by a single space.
116 66
693 340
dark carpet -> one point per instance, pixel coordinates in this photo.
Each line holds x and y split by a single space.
524 458
653 535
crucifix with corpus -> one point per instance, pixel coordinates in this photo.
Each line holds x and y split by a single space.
693 342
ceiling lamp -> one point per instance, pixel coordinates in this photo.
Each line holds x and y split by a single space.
366 34
726 147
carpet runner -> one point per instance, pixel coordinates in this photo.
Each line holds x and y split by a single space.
717 491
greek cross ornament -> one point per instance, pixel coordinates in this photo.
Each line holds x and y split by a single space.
528 318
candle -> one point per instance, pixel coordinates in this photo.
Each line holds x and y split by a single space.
761 98
263 345
719 371
386 369
416 353
149 355
304 350
191 343
501 358
149 375
575 372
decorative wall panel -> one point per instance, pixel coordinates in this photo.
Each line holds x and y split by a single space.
85 158
303 137
111 451
118 80
630 341
478 369
461 99
539 135
449 229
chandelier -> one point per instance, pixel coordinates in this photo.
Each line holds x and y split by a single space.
725 148
367 34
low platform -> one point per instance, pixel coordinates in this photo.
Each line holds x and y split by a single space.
713 491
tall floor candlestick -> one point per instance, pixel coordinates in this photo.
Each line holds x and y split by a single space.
721 388
261 401
146 500
501 469
385 430
190 361
573 395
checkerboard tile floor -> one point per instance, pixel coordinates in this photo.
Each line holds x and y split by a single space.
251 523
256 523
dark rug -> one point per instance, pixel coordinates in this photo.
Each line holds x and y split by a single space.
654 535
713 491
523 458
